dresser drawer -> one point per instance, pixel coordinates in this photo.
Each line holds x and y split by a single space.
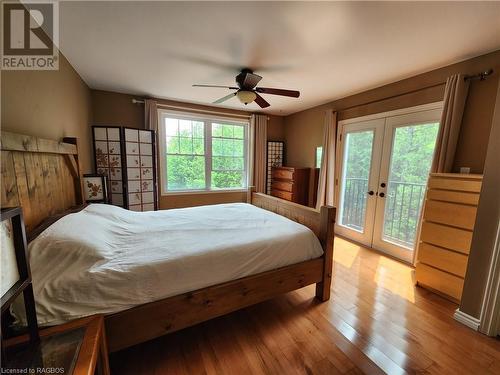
283 174
282 185
455 184
448 237
445 260
440 281
457 215
283 195
462 197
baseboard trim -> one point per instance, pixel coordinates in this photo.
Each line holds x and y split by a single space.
467 320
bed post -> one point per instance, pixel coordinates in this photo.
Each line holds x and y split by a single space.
250 190
326 234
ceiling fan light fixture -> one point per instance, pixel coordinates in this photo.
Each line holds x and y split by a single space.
246 96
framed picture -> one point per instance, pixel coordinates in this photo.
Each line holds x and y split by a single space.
16 273
95 188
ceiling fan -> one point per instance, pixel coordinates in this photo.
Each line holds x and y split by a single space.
247 91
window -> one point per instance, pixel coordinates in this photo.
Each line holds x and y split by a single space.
202 154
319 154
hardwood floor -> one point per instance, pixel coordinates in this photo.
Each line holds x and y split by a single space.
376 321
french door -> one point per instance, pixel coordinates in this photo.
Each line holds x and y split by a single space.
385 162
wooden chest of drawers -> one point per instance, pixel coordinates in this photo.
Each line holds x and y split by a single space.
449 214
291 184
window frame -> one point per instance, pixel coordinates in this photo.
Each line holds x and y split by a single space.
207 120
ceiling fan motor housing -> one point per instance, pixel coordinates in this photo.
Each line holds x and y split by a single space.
247 80
240 78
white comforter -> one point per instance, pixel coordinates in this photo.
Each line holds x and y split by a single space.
106 259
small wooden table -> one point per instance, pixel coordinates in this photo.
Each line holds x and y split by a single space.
78 347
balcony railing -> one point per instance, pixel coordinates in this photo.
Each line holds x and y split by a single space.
402 208
354 203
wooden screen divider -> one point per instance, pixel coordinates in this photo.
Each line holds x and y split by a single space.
40 175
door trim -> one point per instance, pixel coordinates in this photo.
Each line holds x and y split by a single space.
366 236
395 112
339 156
490 310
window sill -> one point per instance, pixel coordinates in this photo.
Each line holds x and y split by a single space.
201 192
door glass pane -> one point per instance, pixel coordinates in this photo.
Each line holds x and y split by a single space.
356 171
411 158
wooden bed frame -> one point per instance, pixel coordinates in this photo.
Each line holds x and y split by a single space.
43 177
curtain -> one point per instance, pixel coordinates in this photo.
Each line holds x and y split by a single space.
151 123
258 144
326 184
455 96
151 114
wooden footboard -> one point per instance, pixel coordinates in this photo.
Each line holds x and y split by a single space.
158 318
320 222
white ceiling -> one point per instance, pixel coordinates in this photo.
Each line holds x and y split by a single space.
327 50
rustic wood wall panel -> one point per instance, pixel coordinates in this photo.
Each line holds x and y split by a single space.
39 176
9 187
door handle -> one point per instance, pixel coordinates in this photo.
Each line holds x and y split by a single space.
381 195
371 192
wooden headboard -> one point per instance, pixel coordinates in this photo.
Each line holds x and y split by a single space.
40 175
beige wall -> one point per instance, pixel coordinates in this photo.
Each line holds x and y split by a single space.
50 104
303 133
488 215
303 130
275 128
111 108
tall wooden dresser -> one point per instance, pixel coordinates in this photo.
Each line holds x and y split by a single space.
448 222
291 184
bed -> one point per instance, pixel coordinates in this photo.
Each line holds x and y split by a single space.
156 272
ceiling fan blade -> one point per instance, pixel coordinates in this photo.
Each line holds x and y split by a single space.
222 87
247 80
223 99
261 101
267 90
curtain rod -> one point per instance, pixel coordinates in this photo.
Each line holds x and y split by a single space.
480 76
342 109
135 101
